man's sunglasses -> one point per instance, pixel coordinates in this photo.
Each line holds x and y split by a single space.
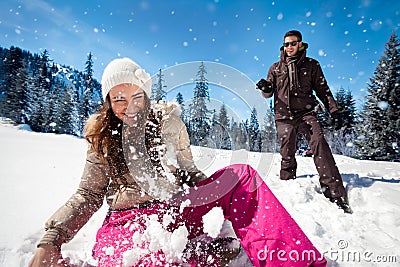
294 43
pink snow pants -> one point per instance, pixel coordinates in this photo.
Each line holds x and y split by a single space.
268 234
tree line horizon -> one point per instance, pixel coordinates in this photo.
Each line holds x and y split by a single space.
54 98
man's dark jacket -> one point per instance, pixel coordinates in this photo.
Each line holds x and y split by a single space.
293 96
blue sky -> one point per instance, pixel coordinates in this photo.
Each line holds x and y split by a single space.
347 37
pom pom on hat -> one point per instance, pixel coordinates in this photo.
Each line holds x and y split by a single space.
124 70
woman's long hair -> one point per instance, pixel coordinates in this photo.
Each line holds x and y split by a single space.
103 132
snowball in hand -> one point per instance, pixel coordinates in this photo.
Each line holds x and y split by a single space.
212 222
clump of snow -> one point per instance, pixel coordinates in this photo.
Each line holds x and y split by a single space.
110 251
212 221
184 204
157 237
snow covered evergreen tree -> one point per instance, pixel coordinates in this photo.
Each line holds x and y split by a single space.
3 74
235 135
181 102
379 127
158 93
88 93
91 99
244 134
68 115
349 112
268 132
214 138
219 133
40 95
254 132
223 120
347 109
240 135
341 132
13 104
199 115
54 108
37 91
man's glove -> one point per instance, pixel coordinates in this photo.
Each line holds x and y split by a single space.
264 86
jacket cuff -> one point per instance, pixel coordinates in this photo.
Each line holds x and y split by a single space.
52 237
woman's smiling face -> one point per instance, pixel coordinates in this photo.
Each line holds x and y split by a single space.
127 102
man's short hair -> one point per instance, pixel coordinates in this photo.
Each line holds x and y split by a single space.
294 33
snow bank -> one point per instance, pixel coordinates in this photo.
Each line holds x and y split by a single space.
40 171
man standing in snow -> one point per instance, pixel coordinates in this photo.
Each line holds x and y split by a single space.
292 82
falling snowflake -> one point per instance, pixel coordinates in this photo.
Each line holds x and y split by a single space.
383 105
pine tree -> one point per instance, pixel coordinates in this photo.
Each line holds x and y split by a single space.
268 132
234 131
180 101
87 105
13 104
67 121
378 131
350 112
340 100
244 140
55 108
158 93
239 135
91 99
347 111
44 85
40 95
341 134
219 133
3 71
223 120
214 140
254 132
199 122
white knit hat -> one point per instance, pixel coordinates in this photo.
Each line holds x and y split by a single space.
124 70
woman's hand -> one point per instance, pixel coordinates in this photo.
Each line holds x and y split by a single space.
47 256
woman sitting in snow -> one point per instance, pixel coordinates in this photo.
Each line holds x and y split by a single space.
139 158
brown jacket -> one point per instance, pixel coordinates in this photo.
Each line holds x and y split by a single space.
293 97
97 183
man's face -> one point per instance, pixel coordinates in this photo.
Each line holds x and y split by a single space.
291 45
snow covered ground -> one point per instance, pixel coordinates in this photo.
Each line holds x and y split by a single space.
40 171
